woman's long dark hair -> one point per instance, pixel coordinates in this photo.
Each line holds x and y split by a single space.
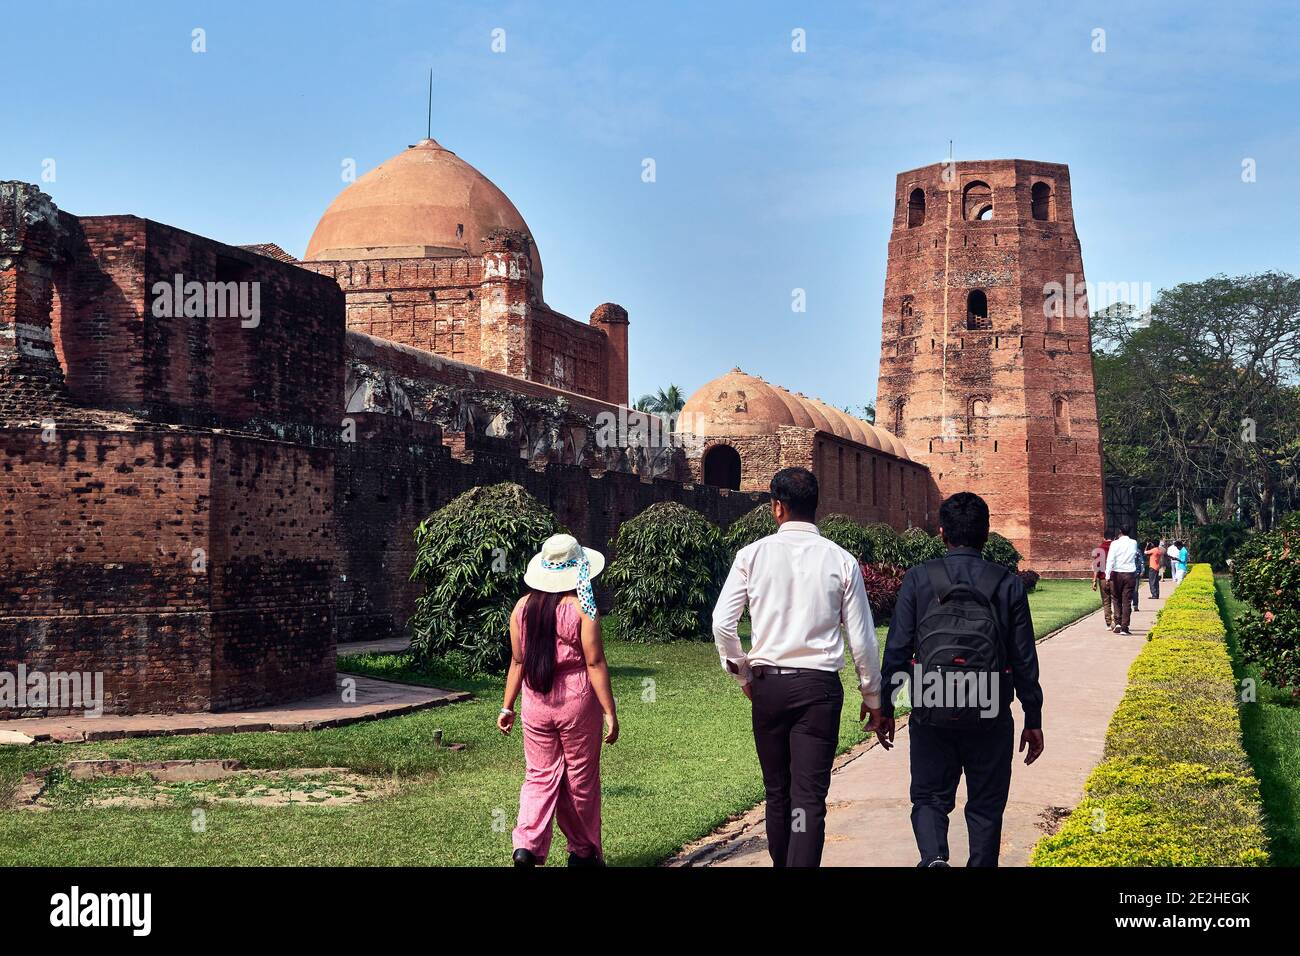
539 639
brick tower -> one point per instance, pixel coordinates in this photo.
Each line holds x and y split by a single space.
986 357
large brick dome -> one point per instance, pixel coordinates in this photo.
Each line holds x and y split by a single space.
735 404
426 201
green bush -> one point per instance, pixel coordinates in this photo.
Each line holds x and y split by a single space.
920 546
886 544
1175 787
849 535
750 527
668 568
1215 543
1001 551
1266 574
470 556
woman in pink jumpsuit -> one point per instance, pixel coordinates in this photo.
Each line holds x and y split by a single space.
558 660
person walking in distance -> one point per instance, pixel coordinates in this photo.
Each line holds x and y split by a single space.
1120 563
805 595
963 638
1101 583
1178 561
1139 572
1155 555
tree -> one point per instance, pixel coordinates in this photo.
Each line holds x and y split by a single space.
665 403
1200 397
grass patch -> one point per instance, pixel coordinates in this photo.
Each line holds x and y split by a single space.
684 764
1270 728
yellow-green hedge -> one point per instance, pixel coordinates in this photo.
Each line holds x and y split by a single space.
1175 787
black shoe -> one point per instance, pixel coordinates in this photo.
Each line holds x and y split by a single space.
1126 632
943 864
524 858
593 860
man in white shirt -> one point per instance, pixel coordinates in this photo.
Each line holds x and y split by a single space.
802 589
1121 563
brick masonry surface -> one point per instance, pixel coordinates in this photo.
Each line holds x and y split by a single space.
987 381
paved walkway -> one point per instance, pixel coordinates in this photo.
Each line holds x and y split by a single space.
373 699
389 645
1083 673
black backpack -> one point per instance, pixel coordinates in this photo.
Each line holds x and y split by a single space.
959 638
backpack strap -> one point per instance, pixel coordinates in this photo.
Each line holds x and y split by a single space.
940 580
990 579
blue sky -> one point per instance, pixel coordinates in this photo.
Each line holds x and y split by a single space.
775 169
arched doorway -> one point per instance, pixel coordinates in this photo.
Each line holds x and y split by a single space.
722 467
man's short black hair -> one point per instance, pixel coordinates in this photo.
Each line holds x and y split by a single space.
796 488
965 520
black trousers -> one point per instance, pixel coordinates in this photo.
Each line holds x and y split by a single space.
1123 585
1153 579
940 755
796 721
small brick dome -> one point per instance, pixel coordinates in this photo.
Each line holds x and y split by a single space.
425 201
741 404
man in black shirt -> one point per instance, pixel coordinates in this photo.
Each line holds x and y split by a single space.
942 749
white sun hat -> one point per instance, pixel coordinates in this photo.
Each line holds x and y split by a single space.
559 565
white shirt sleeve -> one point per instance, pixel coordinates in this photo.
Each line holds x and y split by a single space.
726 616
855 614
1110 560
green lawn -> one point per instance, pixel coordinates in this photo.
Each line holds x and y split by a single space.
684 764
1270 729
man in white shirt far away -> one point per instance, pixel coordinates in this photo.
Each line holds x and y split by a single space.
1121 573
804 594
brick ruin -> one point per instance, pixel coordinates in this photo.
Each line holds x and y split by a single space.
212 458
199 500
986 356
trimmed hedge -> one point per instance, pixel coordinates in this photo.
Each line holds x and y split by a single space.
1175 787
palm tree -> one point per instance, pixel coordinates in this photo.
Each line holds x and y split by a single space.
666 402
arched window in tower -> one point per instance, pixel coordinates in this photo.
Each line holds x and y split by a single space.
916 208
977 201
1054 310
977 417
721 467
1061 416
977 310
1041 201
904 313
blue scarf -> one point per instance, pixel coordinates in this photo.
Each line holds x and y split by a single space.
585 596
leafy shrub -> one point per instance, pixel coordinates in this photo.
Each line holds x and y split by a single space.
750 526
883 582
849 535
1215 543
1175 787
920 546
1029 578
1266 574
668 568
1001 551
470 556
886 544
